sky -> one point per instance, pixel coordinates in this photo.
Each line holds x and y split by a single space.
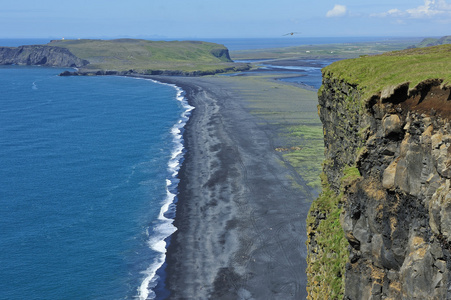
169 19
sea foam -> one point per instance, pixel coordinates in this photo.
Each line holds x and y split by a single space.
165 219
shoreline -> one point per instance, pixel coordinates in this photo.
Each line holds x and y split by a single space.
240 223
167 214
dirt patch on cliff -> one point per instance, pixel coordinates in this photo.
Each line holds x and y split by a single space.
430 97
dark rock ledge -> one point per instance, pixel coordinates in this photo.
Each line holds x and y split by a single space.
40 55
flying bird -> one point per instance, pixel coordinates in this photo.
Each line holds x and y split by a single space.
291 33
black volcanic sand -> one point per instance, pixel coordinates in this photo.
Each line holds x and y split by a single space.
241 223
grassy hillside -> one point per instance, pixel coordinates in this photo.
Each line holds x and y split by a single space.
373 73
142 55
427 42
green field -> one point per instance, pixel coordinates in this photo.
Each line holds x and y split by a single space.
143 55
337 51
373 73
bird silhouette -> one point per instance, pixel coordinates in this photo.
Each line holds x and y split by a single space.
291 33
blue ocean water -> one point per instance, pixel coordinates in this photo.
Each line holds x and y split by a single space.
87 165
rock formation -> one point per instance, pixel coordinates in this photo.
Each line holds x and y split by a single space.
40 55
396 207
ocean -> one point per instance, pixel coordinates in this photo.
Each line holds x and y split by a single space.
88 166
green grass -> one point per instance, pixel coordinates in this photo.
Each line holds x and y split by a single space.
373 73
349 174
326 267
143 55
309 154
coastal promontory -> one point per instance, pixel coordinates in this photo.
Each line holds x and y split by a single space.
126 57
381 228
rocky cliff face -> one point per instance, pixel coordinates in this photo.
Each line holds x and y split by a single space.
222 54
40 55
396 210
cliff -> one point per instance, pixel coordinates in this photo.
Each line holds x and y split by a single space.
382 227
40 55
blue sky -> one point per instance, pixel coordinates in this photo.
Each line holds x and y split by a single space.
223 19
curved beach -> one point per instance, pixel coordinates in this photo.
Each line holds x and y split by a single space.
241 223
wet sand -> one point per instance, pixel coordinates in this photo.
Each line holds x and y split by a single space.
241 223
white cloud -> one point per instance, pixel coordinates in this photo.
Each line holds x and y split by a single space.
391 12
429 9
426 10
337 11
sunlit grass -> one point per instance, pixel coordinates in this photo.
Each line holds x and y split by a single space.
373 73
326 262
143 55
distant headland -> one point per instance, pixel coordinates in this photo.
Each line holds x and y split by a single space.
125 57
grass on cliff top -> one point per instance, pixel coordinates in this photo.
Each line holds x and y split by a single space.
126 54
373 73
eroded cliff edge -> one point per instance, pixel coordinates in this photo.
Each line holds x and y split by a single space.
40 55
382 227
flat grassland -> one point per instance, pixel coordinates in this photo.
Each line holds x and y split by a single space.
290 113
144 55
329 51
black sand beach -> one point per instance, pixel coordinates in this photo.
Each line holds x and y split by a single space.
241 223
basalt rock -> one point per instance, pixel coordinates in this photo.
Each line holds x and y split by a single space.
397 214
40 55
222 54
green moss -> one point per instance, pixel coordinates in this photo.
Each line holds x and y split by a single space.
326 267
326 263
350 174
372 73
